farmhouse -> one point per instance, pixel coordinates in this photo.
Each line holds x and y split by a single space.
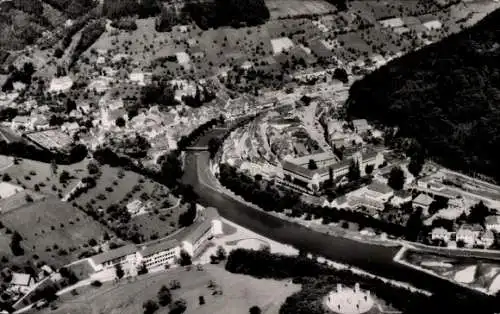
159 254
134 207
433 25
53 140
21 122
121 255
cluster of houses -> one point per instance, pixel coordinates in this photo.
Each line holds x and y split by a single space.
467 235
163 252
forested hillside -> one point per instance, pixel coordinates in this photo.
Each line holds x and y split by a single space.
445 96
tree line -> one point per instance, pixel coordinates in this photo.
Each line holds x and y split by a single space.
271 198
236 13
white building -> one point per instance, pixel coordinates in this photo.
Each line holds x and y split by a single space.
122 255
159 254
207 226
440 234
22 282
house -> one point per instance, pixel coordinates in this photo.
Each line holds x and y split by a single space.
122 255
423 201
440 234
468 234
379 191
159 254
487 238
208 225
492 223
282 44
401 197
360 125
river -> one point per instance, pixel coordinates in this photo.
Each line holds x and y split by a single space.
377 259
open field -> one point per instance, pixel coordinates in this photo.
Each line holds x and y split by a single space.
30 173
53 230
291 8
240 292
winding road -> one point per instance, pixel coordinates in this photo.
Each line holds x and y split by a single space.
377 259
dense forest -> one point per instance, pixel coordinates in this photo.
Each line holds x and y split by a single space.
446 97
115 9
228 13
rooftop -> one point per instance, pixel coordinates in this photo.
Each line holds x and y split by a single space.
159 247
304 160
379 188
20 279
114 254
492 220
423 199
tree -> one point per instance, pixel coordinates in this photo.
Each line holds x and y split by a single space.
201 300
142 269
341 75
185 259
415 166
6 177
150 307
120 122
187 218
119 271
64 177
213 146
70 105
164 296
478 213
92 168
369 169
354 172
396 178
221 253
178 307
15 244
255 310
312 165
